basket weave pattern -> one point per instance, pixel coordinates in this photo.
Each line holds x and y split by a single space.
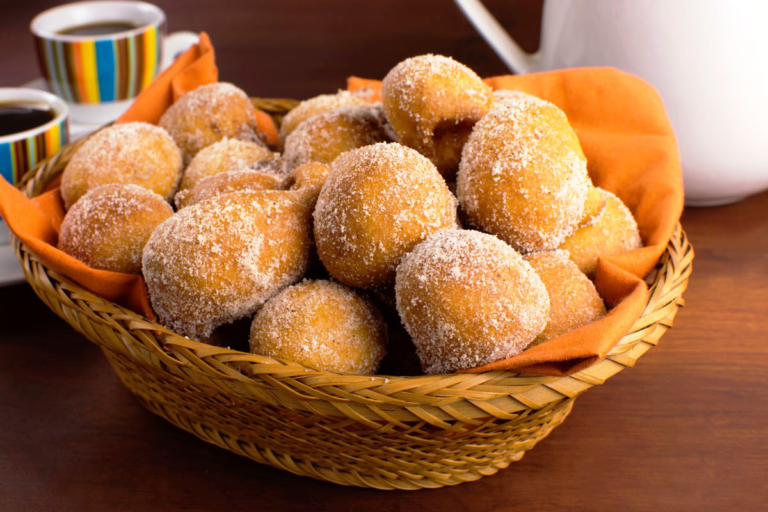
369 431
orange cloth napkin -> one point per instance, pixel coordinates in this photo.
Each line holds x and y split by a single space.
631 151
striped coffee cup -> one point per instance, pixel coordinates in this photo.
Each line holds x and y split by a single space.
100 55
22 151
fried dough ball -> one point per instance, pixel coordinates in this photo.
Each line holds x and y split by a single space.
378 202
308 179
325 136
227 182
109 226
612 231
220 259
208 114
321 324
593 207
225 155
319 105
137 153
523 176
573 299
468 299
433 102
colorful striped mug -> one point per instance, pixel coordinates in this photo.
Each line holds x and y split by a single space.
22 151
99 75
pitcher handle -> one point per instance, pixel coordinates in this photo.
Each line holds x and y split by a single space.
516 59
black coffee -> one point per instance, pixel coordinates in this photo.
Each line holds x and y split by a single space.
99 29
18 117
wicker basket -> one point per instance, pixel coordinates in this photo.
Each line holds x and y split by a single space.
380 432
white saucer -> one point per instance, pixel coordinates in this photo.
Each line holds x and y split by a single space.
10 269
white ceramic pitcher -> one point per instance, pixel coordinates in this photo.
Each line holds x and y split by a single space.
707 58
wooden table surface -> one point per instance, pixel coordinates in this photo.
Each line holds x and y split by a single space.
685 429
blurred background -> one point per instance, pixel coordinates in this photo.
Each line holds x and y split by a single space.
304 48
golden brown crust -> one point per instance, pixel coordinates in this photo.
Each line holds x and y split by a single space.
523 176
325 136
573 299
378 202
136 153
316 106
432 103
611 232
223 156
109 226
228 182
321 324
209 114
219 260
468 299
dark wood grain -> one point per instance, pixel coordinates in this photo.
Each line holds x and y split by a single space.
684 430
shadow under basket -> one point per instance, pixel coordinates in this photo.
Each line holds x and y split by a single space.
369 431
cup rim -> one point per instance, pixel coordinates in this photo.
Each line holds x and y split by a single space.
47 34
59 105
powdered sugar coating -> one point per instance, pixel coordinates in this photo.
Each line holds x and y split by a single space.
325 136
612 231
573 299
227 182
468 299
222 156
322 324
319 105
219 260
109 226
523 175
137 153
432 102
378 202
506 96
208 114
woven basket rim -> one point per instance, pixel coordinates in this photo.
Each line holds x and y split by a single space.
237 365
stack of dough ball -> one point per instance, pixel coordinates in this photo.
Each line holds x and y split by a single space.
321 324
378 202
325 136
219 260
319 105
523 175
208 114
226 182
573 299
432 103
109 226
613 230
225 155
137 153
467 299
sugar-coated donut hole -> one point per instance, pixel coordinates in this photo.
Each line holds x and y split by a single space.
209 114
432 102
468 299
109 226
130 153
612 231
322 324
228 182
523 175
378 202
319 105
223 156
220 259
573 299
325 136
